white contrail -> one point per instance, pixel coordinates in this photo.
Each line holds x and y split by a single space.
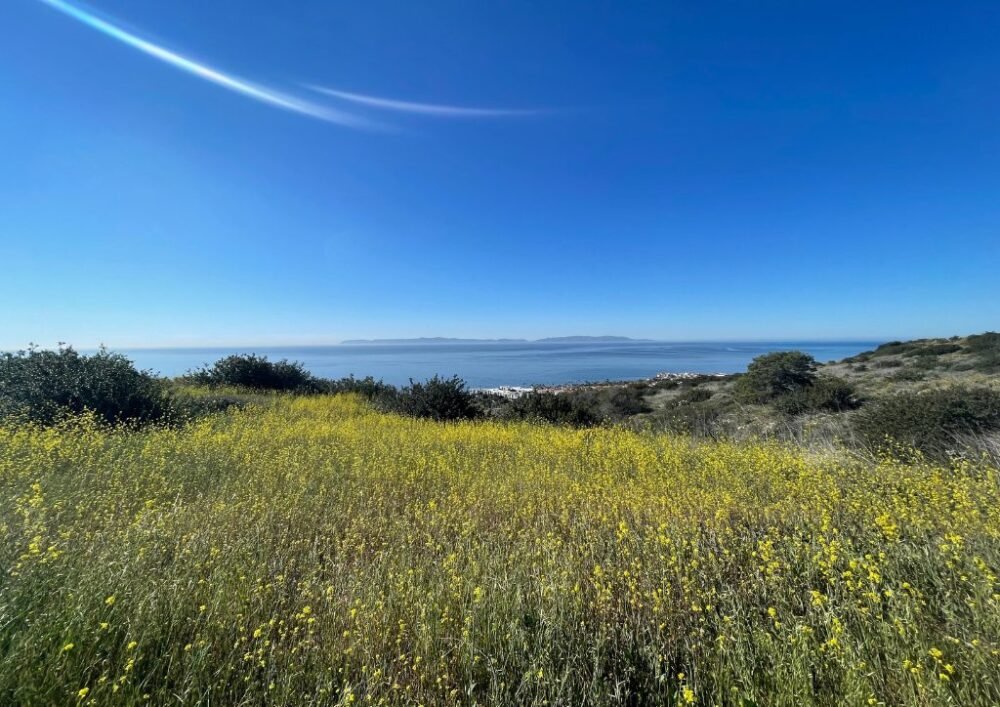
258 93
425 108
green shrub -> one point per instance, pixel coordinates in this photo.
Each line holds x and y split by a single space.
579 407
775 374
615 404
927 363
42 386
988 363
186 407
986 348
366 387
555 408
892 348
827 394
700 419
257 373
929 420
891 363
907 375
693 395
988 342
442 399
934 350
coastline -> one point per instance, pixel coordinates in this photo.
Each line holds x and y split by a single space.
512 392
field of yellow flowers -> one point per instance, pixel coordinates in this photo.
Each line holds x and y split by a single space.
312 551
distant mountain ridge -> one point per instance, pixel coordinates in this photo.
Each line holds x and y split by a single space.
588 340
451 340
433 340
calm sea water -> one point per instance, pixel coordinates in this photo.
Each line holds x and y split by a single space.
489 365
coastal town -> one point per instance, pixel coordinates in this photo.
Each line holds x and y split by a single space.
512 392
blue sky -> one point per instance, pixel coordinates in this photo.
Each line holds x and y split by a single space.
687 171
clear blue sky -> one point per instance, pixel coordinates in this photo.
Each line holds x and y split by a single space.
683 170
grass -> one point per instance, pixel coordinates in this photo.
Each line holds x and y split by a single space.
312 551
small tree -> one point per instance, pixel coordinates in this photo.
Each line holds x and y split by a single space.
366 387
930 420
775 374
41 386
441 399
252 371
563 409
826 394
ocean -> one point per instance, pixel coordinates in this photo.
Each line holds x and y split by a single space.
487 365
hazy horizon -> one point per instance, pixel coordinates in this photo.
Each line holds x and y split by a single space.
387 341
495 363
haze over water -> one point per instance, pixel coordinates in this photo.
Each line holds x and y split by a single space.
485 365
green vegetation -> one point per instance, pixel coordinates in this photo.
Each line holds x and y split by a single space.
355 543
773 375
916 387
256 373
560 409
310 550
986 348
441 399
932 421
44 386
824 394
585 406
909 393
979 352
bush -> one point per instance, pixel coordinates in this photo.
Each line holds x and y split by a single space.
697 418
442 399
560 409
614 404
827 394
892 348
934 350
927 363
907 375
693 395
988 363
775 374
986 348
930 420
186 407
366 387
43 386
579 407
988 342
257 373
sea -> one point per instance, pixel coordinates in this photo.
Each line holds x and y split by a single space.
490 365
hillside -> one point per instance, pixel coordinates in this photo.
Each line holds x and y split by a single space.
905 364
930 391
309 550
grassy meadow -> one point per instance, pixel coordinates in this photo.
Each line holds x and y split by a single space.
310 550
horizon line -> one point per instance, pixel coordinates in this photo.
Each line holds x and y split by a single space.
395 341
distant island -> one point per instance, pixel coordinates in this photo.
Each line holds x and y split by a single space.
433 340
589 340
451 340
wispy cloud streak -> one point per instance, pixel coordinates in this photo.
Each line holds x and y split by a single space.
435 109
232 83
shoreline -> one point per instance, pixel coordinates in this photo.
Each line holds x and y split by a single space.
512 392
